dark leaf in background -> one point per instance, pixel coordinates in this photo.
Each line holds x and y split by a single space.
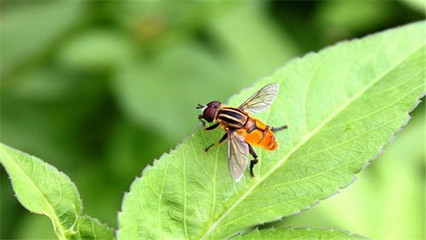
255 43
31 28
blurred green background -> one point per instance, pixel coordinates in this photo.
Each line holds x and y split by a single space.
101 88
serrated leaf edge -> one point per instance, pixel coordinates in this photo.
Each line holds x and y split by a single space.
273 228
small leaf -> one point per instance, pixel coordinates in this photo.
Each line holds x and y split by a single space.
90 228
299 233
42 189
342 105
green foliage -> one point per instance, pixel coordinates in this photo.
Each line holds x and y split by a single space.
299 233
42 189
99 89
48 21
342 106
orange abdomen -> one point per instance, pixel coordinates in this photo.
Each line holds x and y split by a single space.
257 133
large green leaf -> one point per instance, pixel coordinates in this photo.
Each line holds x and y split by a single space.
42 189
299 233
342 105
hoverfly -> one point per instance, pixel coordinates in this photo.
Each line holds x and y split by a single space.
242 130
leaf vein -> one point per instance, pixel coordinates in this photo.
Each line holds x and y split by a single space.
54 214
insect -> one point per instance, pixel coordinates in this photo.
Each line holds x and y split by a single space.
242 129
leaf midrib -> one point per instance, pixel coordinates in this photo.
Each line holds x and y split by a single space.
305 140
28 179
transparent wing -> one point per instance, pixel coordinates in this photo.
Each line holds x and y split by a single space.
261 100
237 155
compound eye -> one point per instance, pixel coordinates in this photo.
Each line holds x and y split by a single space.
214 104
209 114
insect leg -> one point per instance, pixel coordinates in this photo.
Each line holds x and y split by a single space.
263 136
211 127
201 118
254 161
224 137
278 128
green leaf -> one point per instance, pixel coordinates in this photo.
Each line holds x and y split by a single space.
342 105
299 233
42 189
90 228
373 194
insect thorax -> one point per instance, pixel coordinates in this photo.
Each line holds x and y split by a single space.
232 117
